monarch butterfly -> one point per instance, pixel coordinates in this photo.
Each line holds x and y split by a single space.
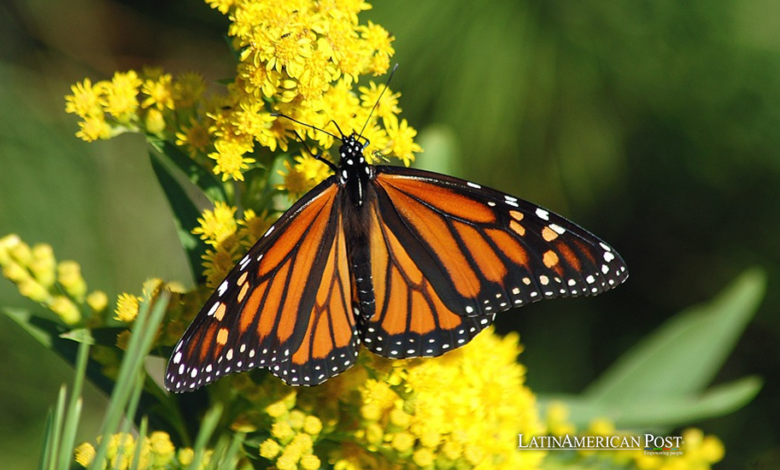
406 262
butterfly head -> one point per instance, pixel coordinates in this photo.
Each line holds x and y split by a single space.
353 171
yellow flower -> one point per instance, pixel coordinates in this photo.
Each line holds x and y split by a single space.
127 307
312 169
188 89
270 449
121 95
7 245
282 431
43 264
377 37
222 5
85 100
195 137
93 128
286 50
159 91
34 291
423 458
310 462
185 456
252 227
257 80
69 277
401 143
217 225
97 301
312 425
216 264
154 122
295 182
65 309
250 119
161 448
388 105
85 454
230 159
403 442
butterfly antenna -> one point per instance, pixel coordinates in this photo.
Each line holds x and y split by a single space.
317 157
308 125
387 84
337 127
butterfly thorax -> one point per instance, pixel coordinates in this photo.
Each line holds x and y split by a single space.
354 172
354 175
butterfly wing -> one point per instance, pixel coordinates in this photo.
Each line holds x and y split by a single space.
448 254
285 306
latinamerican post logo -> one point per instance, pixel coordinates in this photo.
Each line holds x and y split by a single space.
650 443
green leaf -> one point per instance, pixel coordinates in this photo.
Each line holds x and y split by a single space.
662 412
43 330
185 214
80 335
54 336
682 356
201 177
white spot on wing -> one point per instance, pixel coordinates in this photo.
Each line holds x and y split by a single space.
222 288
213 308
558 229
542 214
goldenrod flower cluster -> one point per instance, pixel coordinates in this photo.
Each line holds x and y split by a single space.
301 58
157 452
698 452
227 238
57 286
461 410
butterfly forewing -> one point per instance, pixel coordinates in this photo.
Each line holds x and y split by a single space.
483 251
270 307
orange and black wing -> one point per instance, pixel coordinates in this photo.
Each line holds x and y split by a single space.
447 255
285 306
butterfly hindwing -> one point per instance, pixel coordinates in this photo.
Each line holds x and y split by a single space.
410 319
483 251
270 311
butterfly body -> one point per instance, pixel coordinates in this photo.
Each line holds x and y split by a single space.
405 262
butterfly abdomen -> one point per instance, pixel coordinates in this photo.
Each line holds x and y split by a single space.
355 176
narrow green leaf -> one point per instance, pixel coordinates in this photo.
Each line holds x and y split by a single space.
48 441
142 429
59 419
683 355
185 214
75 405
209 424
144 331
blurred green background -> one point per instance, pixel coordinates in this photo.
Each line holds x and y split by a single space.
654 124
